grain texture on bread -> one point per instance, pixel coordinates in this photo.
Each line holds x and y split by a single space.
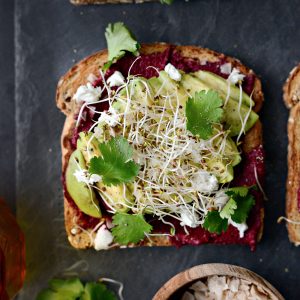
291 95
77 76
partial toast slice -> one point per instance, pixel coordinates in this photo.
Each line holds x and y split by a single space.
291 96
86 2
78 75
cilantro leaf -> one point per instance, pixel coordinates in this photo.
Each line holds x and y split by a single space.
228 209
244 202
73 289
202 112
244 205
116 165
129 228
60 289
95 291
214 223
240 190
119 40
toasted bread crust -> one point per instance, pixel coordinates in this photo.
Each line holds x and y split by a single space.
77 76
291 96
291 88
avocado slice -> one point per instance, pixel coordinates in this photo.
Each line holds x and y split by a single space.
230 152
221 169
83 197
193 84
138 91
232 117
114 195
164 85
219 84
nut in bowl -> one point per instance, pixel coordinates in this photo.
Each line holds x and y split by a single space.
217 282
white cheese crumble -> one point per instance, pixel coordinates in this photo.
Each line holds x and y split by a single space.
83 176
95 178
110 117
218 285
235 76
173 72
226 68
103 238
221 199
204 182
87 93
116 79
240 227
188 218
225 288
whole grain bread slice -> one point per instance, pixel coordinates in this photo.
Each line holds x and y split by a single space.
291 96
87 2
78 75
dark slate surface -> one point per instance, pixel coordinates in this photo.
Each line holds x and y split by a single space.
50 36
7 104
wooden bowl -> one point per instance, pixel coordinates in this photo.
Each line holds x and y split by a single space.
184 279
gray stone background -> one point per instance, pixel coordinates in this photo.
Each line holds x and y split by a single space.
41 39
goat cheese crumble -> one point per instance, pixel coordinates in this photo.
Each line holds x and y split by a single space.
116 79
103 238
87 93
173 72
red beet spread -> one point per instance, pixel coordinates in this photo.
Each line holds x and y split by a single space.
244 173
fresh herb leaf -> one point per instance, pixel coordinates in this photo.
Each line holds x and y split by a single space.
244 205
48 294
116 165
240 190
60 289
95 291
73 289
166 1
214 223
119 40
73 285
228 209
202 112
244 202
129 228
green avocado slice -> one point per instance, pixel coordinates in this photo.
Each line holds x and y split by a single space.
83 197
119 197
220 84
232 114
232 117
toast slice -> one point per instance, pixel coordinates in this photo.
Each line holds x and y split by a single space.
78 75
291 96
86 2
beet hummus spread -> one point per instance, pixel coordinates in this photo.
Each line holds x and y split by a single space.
247 173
